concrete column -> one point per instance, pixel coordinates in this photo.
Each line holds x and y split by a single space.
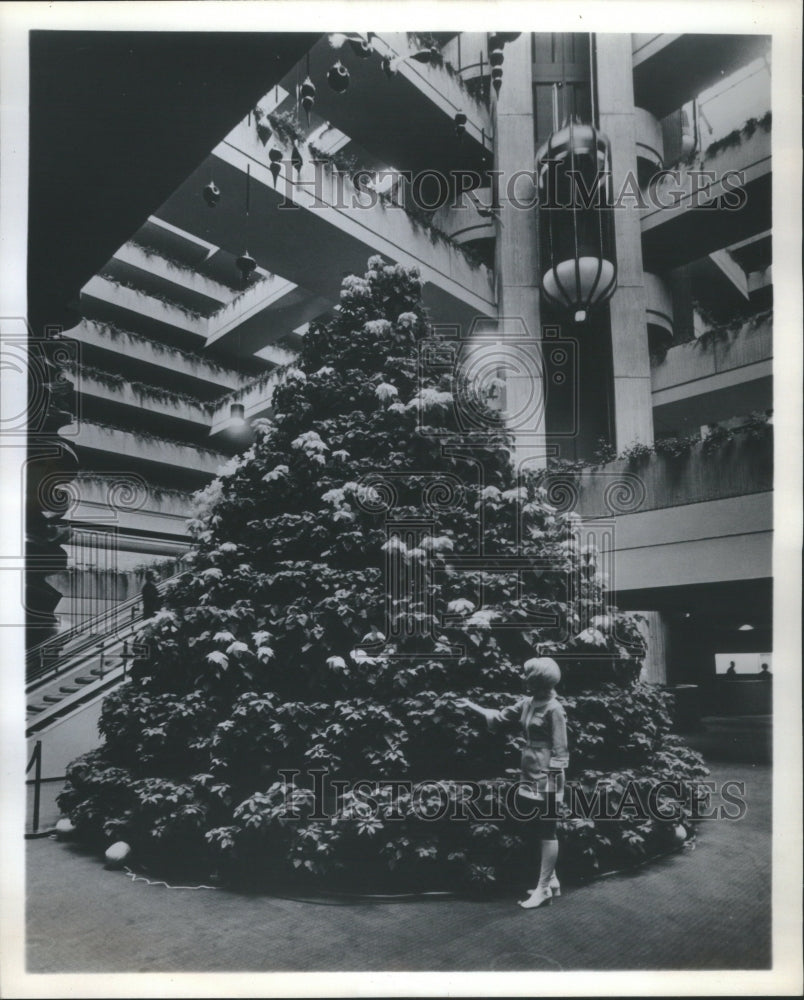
657 634
633 412
517 261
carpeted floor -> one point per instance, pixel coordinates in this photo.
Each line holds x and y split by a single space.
708 908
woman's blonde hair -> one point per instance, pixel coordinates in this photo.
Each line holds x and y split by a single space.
542 673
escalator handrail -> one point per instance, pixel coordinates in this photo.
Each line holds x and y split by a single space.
94 627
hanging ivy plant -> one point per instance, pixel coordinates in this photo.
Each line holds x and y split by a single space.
286 127
676 447
159 296
727 328
157 491
254 385
115 332
142 435
736 136
142 389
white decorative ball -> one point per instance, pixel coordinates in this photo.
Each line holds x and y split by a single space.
117 854
64 828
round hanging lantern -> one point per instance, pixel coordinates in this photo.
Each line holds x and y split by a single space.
338 77
576 220
460 123
307 97
212 194
237 413
246 265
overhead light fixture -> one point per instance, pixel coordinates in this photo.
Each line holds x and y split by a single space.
745 628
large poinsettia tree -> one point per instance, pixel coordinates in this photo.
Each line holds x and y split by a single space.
328 623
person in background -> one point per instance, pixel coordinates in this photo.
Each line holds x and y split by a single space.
764 672
544 758
731 672
151 601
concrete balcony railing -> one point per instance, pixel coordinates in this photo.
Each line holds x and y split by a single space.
326 228
714 378
659 310
125 394
155 451
715 354
102 294
735 469
649 144
209 377
668 522
270 308
127 504
721 199
470 221
127 494
158 274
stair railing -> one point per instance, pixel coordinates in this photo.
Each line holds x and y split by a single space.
44 660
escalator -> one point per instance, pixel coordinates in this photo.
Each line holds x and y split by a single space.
67 678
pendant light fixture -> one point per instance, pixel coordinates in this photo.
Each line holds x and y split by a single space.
308 96
245 263
212 194
338 77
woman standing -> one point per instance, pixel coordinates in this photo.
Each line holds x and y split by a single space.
544 758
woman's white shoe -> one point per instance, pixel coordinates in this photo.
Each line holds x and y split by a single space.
555 886
539 897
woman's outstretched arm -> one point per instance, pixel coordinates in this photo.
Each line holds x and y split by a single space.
495 718
474 707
